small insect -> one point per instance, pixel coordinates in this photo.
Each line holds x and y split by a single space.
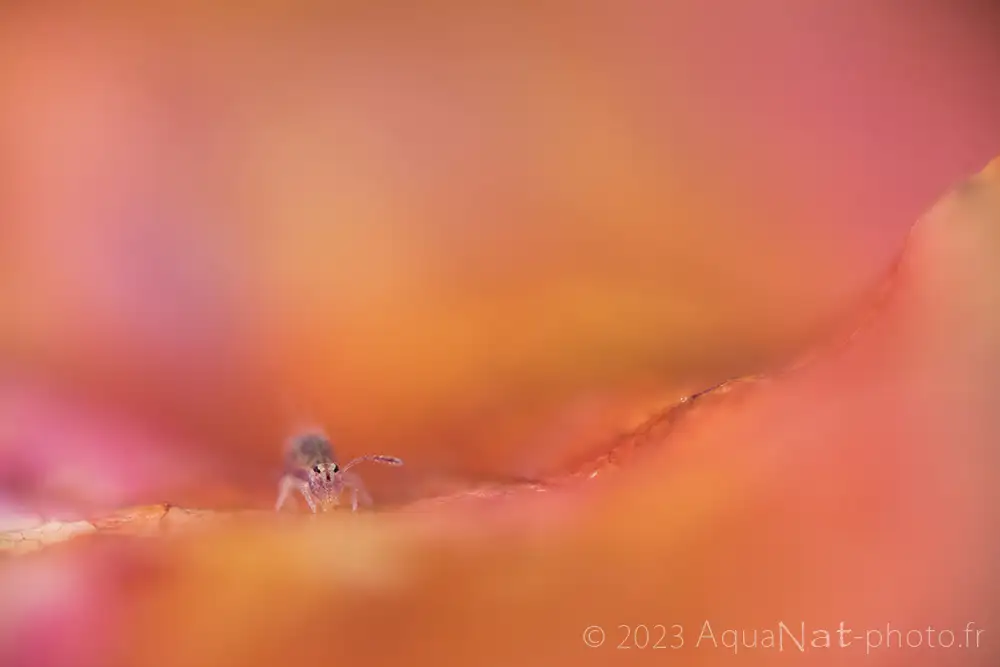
311 469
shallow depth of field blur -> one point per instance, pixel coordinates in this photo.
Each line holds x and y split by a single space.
488 240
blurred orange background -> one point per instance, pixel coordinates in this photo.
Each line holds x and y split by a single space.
486 239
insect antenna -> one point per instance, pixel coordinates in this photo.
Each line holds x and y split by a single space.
374 458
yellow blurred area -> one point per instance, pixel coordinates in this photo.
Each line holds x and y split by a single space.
491 241
399 223
857 490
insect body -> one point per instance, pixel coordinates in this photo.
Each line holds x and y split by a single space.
311 468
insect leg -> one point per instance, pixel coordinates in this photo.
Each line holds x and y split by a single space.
366 498
358 490
308 496
285 487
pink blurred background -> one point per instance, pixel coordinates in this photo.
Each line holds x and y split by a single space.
487 239
440 232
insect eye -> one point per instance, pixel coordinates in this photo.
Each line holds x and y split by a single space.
316 470
336 468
